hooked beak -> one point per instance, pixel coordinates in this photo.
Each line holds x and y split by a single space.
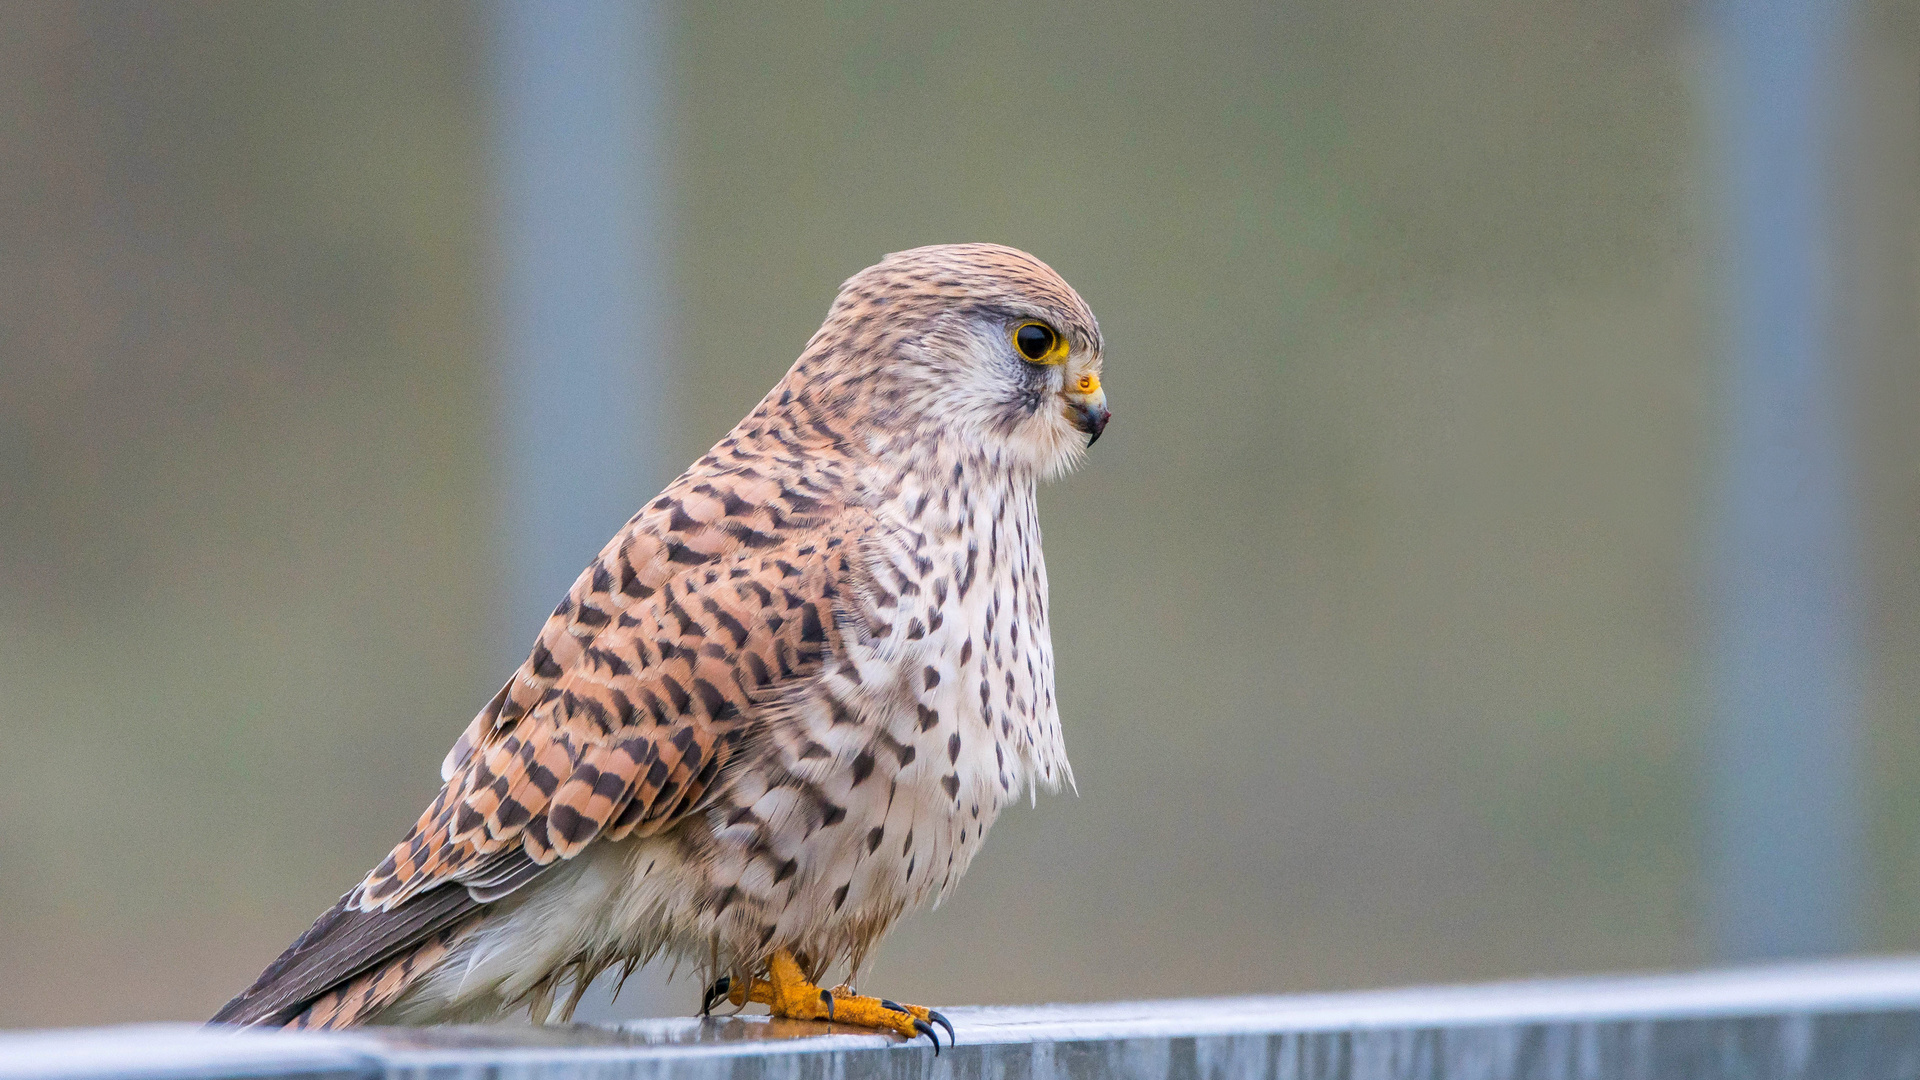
1089 413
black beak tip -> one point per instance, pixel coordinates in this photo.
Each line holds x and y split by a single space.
1092 421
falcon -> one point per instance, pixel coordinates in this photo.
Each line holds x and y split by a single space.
779 710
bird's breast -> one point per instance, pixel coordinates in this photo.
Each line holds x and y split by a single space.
877 782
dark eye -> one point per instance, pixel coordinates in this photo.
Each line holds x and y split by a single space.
1036 341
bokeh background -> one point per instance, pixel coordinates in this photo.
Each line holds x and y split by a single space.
1379 610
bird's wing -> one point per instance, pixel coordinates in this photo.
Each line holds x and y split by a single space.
645 681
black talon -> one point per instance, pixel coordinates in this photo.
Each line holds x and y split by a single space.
714 993
827 997
926 1029
943 1022
894 1005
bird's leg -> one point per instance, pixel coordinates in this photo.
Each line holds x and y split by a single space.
787 992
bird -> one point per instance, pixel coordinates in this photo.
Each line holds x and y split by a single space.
779 710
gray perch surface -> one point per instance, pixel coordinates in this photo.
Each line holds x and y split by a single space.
1836 1020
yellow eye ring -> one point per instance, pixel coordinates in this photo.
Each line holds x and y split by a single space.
1039 343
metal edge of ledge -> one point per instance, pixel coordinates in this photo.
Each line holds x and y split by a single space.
1837 1020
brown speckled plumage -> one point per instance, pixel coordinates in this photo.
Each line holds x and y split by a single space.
783 705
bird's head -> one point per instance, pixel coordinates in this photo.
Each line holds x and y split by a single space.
977 342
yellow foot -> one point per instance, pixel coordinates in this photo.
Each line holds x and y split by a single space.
787 993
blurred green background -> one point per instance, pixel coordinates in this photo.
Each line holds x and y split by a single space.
1377 610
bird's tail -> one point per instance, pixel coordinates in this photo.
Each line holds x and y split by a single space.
357 1001
351 963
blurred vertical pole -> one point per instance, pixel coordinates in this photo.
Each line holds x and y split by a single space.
1785 830
579 136
580 321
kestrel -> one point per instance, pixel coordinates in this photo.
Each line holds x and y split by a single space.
783 705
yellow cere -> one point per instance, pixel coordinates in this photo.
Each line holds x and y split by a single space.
1087 383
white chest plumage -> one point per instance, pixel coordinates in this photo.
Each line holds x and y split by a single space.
956 663
940 714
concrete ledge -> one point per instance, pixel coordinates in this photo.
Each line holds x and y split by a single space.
1842 1020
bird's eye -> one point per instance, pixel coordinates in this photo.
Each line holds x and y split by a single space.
1037 342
